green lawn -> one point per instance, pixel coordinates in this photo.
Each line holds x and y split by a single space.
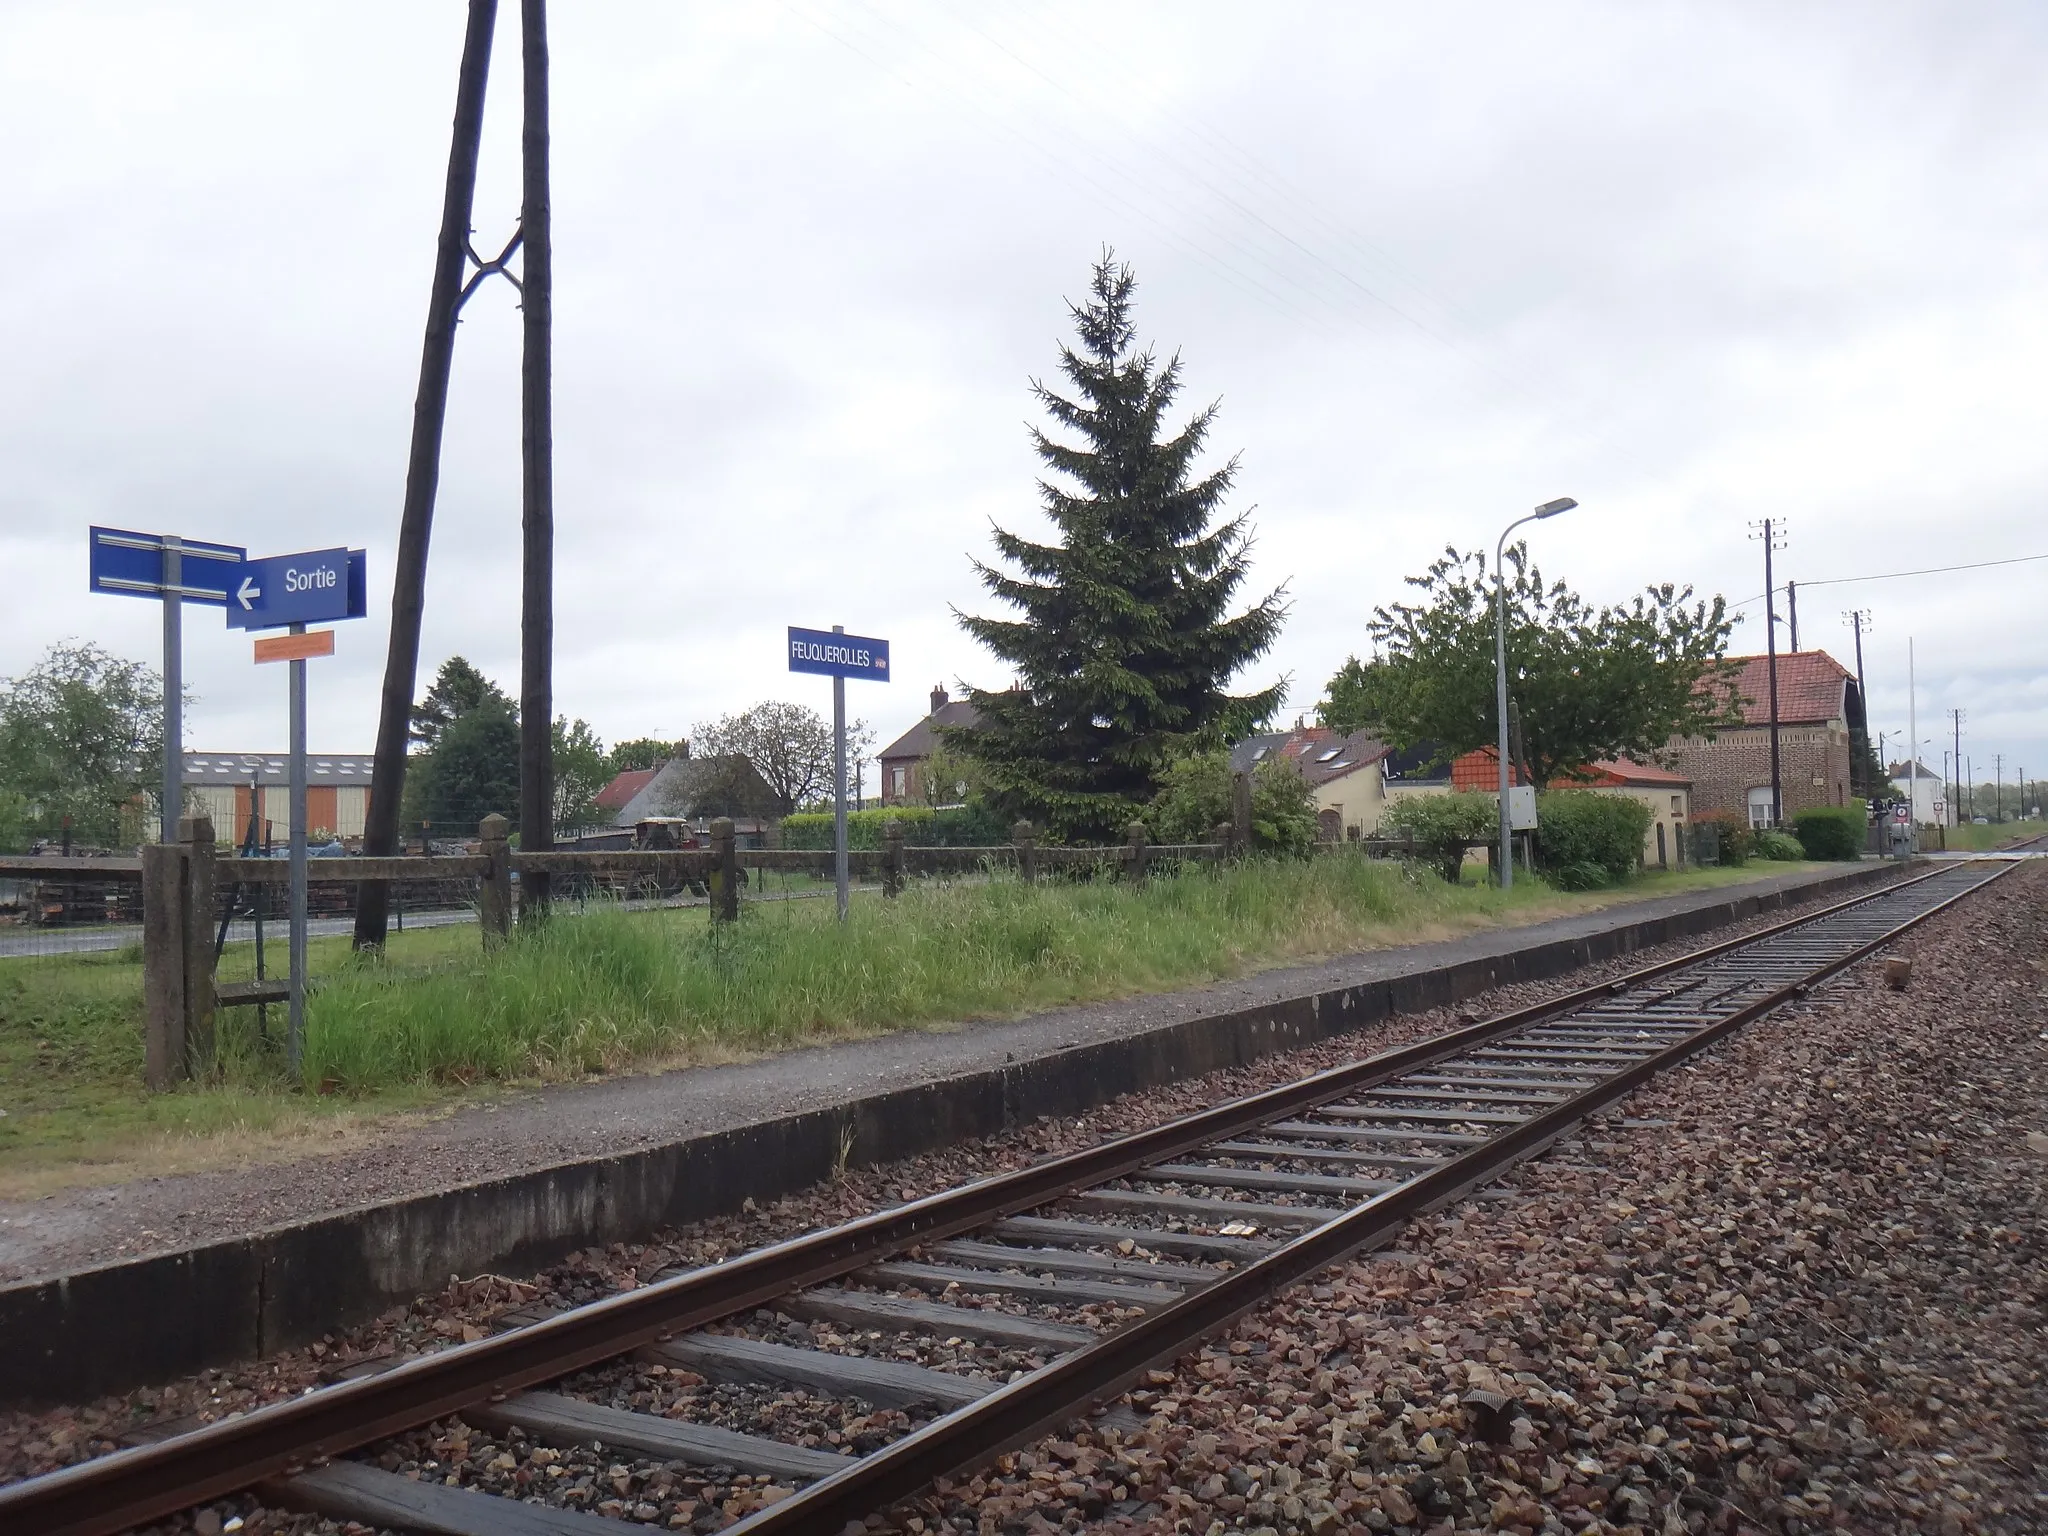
436 1022
1983 839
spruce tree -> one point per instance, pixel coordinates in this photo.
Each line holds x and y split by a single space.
1123 646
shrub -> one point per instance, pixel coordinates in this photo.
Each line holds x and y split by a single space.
1833 832
1441 825
1781 846
1587 839
1736 838
967 826
1194 800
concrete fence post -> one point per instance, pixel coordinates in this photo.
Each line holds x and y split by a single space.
1025 837
1135 860
494 893
1240 814
195 846
725 872
892 857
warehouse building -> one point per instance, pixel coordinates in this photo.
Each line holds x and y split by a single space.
224 785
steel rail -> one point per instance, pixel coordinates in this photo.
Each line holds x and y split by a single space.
1053 1395
134 1486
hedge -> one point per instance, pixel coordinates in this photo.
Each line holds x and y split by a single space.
1833 831
1781 846
1441 825
1587 839
969 826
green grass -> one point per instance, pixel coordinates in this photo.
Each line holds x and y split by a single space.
436 1021
1983 839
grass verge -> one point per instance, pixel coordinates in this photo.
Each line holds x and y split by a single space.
435 1022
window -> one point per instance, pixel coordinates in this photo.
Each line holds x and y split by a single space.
1678 805
1760 806
1325 757
896 781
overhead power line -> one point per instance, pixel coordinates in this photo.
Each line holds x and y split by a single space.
1932 570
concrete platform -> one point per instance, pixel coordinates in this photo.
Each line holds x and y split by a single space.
257 1260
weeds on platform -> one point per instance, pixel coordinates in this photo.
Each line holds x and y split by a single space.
609 989
435 1020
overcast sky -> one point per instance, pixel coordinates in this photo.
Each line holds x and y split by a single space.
1692 264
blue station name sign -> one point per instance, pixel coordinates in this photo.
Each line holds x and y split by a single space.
833 654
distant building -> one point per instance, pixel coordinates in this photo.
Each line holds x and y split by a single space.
1819 705
223 786
694 787
1342 770
1927 790
903 760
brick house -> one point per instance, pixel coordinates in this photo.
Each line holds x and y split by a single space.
1818 705
903 760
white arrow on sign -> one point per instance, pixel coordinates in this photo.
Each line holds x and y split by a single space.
248 592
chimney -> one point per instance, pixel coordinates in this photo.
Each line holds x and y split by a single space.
940 698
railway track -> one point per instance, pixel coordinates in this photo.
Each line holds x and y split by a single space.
1072 1277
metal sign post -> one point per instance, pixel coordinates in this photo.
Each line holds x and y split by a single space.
295 647
292 591
838 655
173 570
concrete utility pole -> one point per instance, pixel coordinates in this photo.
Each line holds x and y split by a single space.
1956 719
1998 786
537 471
1912 746
1857 618
1792 612
1770 535
423 471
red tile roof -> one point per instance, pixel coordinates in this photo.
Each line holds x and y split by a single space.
1476 770
1810 688
618 794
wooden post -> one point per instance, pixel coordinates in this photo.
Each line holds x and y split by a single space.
892 857
1134 856
163 965
725 872
537 472
1240 814
494 894
423 469
195 845
1025 836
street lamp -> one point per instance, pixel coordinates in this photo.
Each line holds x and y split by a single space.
1500 670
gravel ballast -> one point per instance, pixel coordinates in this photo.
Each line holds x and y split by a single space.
1372 1394
1799 1288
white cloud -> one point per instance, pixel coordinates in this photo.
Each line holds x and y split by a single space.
1691 264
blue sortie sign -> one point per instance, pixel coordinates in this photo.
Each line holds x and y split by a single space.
835 655
308 588
132 565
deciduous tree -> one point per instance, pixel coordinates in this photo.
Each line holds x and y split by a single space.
789 745
81 735
1124 644
1584 683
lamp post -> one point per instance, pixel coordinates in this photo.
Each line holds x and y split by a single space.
1500 671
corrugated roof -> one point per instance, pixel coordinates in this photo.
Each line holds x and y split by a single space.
203 768
1811 688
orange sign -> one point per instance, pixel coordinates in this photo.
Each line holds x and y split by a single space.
317 642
